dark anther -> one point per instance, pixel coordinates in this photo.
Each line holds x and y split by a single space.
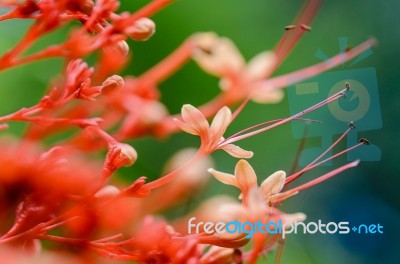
305 27
207 51
347 86
351 125
290 27
365 141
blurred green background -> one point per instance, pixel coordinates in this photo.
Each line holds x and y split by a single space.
367 194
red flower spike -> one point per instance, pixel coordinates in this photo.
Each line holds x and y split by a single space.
58 190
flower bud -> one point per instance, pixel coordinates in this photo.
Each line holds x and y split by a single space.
107 192
112 84
121 47
128 153
142 29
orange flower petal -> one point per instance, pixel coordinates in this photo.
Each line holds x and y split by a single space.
273 184
237 152
245 175
219 124
195 118
224 177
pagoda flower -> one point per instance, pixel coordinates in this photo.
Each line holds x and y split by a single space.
220 57
219 209
257 210
245 179
195 123
241 81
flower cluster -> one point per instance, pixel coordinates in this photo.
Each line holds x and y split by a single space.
60 194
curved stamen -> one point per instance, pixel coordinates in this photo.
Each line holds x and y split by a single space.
308 110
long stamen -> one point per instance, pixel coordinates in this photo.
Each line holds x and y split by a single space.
288 30
310 167
326 176
308 110
171 175
305 17
292 43
351 126
269 122
306 73
339 154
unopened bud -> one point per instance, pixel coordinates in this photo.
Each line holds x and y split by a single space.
142 29
127 152
107 192
112 84
121 47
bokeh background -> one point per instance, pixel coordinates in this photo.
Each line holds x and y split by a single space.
368 194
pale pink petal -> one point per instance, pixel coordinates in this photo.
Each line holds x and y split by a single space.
224 177
237 152
256 202
233 60
186 127
264 94
260 66
217 56
195 118
245 175
219 124
228 213
205 55
273 184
